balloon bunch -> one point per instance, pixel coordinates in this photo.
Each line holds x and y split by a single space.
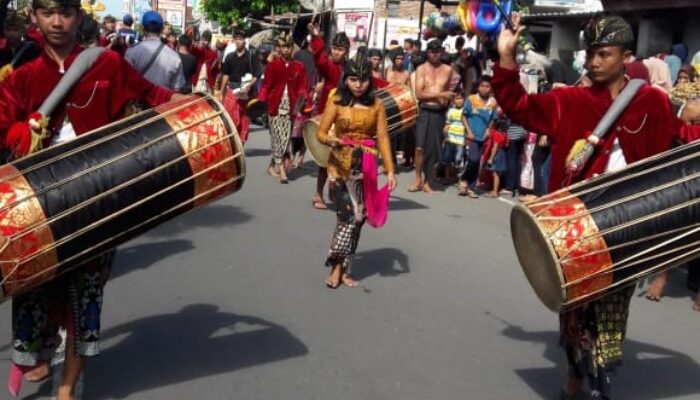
439 23
481 17
484 17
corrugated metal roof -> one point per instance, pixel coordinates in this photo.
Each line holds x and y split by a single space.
550 16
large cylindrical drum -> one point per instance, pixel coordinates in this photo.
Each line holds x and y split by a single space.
73 201
584 241
401 114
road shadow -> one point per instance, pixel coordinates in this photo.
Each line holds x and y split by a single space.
198 341
308 168
397 203
141 256
650 371
383 262
210 216
258 153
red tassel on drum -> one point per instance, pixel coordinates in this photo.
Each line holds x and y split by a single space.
19 136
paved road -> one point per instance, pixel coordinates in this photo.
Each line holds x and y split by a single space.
228 302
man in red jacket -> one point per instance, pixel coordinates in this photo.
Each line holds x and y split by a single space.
208 59
285 90
330 70
646 127
99 98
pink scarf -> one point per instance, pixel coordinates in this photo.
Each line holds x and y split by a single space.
376 200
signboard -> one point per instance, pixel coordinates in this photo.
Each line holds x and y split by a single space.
356 26
170 5
140 7
174 17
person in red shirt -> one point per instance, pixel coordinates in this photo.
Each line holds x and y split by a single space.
109 32
207 56
285 90
330 70
646 127
98 98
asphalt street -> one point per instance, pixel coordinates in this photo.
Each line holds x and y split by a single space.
228 302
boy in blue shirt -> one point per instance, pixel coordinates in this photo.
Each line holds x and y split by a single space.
478 116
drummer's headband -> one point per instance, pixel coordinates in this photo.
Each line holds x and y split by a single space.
285 39
608 30
37 4
16 20
358 66
341 40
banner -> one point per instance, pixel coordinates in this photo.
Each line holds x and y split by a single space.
356 26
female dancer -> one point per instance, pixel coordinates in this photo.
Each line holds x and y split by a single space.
360 128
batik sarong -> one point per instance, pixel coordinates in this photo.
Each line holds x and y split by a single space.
280 130
72 301
347 194
592 336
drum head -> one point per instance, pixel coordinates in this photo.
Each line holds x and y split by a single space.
537 258
319 151
256 109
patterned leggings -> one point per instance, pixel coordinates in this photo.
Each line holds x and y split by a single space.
351 215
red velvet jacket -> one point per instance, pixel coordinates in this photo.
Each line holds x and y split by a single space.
327 69
211 58
647 126
279 73
96 100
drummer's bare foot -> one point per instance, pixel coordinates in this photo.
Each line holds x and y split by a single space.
416 187
696 304
333 279
38 373
283 176
427 188
318 202
656 288
272 171
348 281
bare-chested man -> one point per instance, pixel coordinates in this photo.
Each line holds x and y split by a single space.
397 73
434 96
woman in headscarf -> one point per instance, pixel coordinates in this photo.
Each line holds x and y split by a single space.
360 129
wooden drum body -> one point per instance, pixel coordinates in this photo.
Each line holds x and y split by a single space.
401 114
73 201
579 243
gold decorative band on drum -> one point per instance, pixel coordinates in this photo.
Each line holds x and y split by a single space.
598 236
400 106
71 202
401 113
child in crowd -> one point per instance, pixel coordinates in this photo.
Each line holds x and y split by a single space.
453 147
496 162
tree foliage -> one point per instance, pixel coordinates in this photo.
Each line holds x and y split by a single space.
227 11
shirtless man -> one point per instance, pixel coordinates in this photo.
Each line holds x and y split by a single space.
375 60
434 96
397 73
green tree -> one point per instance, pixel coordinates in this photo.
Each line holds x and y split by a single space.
225 11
